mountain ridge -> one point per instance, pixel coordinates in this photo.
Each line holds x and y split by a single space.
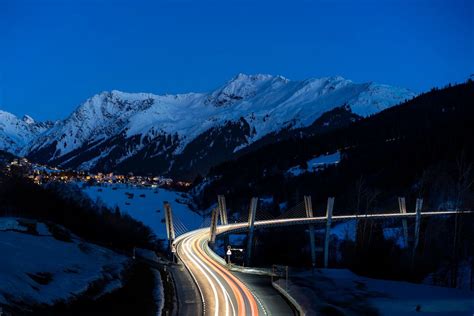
413 149
110 129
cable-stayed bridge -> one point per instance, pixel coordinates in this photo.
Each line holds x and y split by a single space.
222 293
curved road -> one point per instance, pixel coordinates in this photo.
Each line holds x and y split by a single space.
223 294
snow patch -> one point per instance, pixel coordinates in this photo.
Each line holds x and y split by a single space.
316 164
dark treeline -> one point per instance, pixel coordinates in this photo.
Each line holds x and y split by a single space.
421 148
68 206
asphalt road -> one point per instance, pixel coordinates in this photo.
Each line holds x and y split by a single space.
224 293
188 296
273 303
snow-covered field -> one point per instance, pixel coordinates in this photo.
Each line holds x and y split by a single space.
146 205
36 268
339 290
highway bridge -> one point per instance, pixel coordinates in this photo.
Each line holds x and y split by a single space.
221 291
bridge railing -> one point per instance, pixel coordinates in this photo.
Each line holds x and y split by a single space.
303 214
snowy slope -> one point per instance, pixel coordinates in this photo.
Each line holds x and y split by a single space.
146 205
267 103
176 133
16 133
36 268
101 116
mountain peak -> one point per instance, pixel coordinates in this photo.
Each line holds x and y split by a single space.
28 119
241 77
254 77
240 87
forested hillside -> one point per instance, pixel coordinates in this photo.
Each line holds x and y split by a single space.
421 148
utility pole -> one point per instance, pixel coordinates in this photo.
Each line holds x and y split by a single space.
328 230
309 214
252 212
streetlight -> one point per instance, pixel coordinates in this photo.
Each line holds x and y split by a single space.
173 251
229 252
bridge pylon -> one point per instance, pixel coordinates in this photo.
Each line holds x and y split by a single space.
309 213
418 207
170 233
329 210
222 209
213 231
403 210
251 221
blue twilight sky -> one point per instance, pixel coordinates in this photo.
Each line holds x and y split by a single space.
55 54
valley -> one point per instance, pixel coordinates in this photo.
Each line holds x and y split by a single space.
338 155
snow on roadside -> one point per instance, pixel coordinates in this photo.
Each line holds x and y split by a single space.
341 291
146 205
39 269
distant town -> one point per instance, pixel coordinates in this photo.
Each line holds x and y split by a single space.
41 174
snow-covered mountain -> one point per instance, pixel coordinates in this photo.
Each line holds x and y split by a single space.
16 133
188 133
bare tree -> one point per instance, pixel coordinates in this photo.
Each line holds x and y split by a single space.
463 185
464 180
369 196
361 190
